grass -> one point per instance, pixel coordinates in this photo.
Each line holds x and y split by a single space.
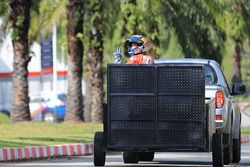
4 119
41 133
245 132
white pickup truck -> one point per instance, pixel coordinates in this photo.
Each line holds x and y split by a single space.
228 116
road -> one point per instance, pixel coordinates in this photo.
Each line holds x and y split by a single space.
115 160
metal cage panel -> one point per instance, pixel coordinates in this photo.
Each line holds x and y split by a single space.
131 79
183 80
156 107
128 108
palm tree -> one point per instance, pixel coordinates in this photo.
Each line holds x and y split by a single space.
126 23
109 18
236 78
95 58
239 31
20 17
75 60
57 13
193 23
196 28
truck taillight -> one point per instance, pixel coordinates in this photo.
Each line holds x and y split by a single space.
218 117
219 99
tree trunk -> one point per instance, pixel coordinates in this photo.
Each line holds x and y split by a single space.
94 63
96 79
75 58
20 17
87 103
236 65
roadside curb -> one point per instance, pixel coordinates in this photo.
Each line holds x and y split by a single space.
245 139
24 153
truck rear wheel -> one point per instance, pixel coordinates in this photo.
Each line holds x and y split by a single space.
146 156
237 149
99 153
130 157
218 150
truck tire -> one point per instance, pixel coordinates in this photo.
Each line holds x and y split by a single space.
228 150
130 157
146 156
99 153
237 149
218 150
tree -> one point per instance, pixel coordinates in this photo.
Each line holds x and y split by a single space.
4 20
95 58
108 25
237 63
195 26
192 22
75 60
151 20
126 23
72 12
20 17
238 15
49 14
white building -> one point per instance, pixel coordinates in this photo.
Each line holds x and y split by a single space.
37 81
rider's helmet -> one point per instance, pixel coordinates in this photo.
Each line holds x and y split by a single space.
136 45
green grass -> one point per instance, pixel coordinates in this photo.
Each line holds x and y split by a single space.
4 119
245 132
41 133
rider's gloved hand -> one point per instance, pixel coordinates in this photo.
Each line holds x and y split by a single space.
118 56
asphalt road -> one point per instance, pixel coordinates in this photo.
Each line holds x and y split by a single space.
115 160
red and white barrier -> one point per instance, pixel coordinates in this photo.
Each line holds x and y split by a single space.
45 151
245 139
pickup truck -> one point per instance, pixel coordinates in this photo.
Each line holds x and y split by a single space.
172 105
228 116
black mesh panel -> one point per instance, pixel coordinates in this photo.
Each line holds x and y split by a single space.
131 79
186 108
132 133
181 134
132 108
184 80
156 106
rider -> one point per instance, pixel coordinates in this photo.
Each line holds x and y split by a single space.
136 52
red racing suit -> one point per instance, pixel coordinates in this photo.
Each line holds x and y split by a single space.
140 59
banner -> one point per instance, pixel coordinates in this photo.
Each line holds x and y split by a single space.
46 55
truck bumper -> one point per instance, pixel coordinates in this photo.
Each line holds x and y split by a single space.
218 124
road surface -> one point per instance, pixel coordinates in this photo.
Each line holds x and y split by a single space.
115 160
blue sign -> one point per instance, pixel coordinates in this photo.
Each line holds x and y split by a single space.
47 55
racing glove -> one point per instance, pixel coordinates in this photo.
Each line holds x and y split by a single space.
118 56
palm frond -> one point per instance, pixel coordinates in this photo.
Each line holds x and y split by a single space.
52 13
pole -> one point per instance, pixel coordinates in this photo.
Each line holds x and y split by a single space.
54 60
64 69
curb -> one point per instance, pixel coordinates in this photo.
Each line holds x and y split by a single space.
245 139
24 153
